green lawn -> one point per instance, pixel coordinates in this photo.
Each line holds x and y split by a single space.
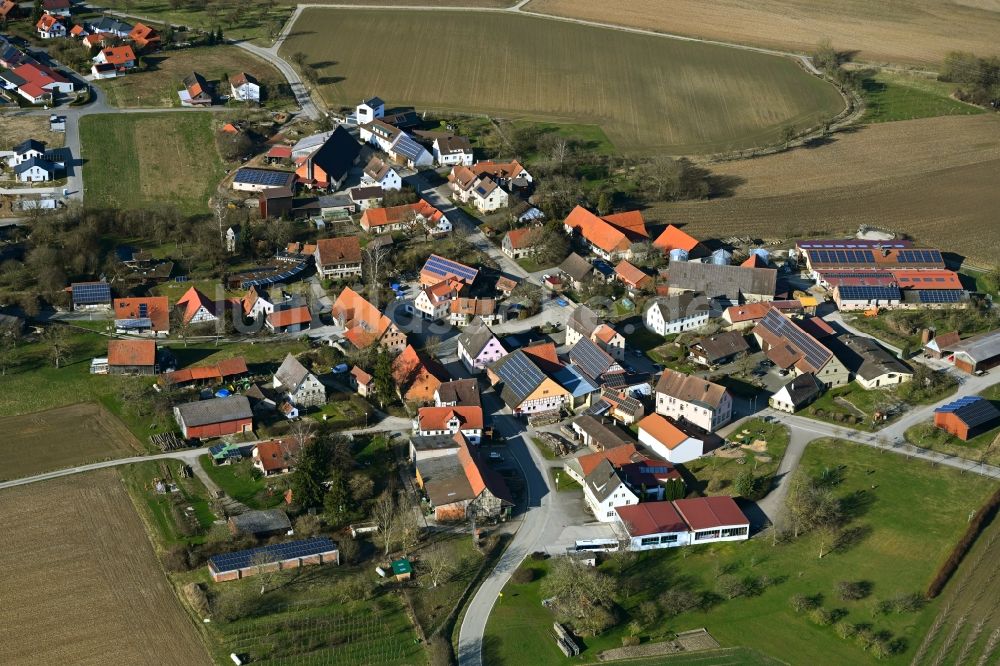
433 604
543 448
830 406
714 475
253 21
900 96
901 328
591 137
239 481
563 481
166 516
648 95
907 515
142 160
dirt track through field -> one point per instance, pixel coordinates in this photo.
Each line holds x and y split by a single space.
929 178
81 584
62 437
917 32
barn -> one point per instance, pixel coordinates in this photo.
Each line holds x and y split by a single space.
214 418
967 417
979 353
275 557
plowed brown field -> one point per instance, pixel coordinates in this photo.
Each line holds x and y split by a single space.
916 31
935 179
81 584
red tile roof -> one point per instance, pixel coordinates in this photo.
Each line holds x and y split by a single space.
289 317
277 454
416 376
230 367
754 311
481 476
280 152
673 238
339 250
374 218
437 418
522 238
363 378
703 513
617 456
631 275
132 352
648 518
663 431
157 310
46 22
754 261
364 322
930 279
119 55
598 232
192 301
631 222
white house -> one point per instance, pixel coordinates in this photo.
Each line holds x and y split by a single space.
369 196
379 134
369 109
35 170
256 304
668 316
653 525
487 196
449 420
302 387
694 399
434 302
452 151
668 441
245 88
604 490
797 393
404 150
50 27
377 172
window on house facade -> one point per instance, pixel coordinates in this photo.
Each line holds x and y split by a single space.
707 534
650 541
734 531
668 538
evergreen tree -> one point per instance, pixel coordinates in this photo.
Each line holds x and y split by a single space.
310 473
385 385
218 35
337 502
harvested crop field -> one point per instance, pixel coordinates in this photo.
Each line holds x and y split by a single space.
140 160
81 583
915 32
63 437
927 178
16 126
649 94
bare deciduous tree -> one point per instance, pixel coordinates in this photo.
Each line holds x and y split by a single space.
440 566
58 344
264 571
384 515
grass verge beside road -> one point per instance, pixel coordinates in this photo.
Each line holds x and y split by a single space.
904 516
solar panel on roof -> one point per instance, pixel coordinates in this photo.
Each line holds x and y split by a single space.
814 353
868 293
590 358
443 267
277 552
940 295
91 293
261 177
520 374
134 323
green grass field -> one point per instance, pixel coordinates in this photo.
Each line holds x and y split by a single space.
150 159
240 483
984 447
898 96
909 514
648 94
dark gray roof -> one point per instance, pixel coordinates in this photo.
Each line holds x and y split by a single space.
460 391
337 154
688 304
981 347
603 480
374 102
445 481
592 360
475 336
29 144
433 442
606 436
576 267
35 162
108 24
583 320
261 522
216 410
722 281
291 373
803 389
723 345
868 360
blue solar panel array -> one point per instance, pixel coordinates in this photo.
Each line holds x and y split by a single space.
842 256
445 267
972 409
277 552
815 354
251 176
940 295
853 243
519 374
854 275
408 148
91 293
866 293
590 358
137 324
919 257
290 275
